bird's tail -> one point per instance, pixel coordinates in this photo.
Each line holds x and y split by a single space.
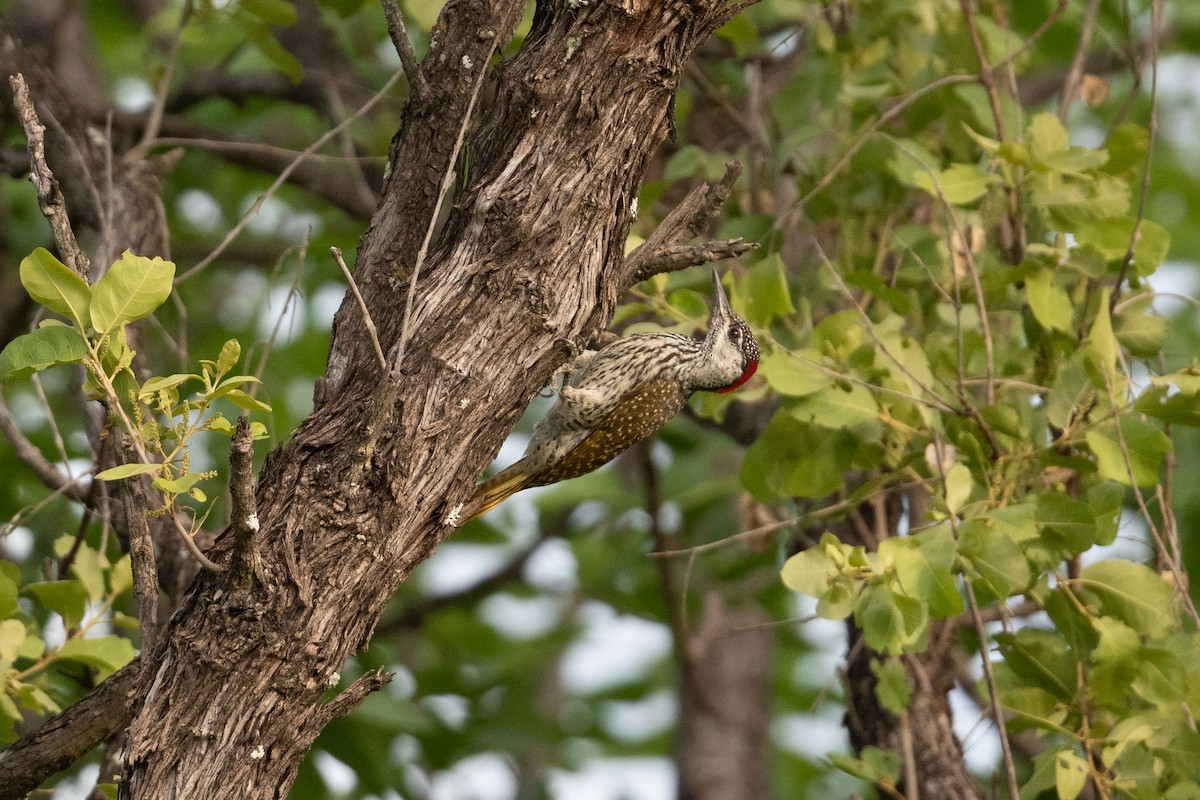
494 491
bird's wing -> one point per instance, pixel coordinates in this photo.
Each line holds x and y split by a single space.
639 413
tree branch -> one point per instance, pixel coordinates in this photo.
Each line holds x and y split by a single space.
666 250
243 518
399 36
49 193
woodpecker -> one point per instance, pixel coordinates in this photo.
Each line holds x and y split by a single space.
614 397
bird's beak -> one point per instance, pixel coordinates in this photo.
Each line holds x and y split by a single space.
721 308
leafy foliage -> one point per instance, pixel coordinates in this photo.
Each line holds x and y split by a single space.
937 295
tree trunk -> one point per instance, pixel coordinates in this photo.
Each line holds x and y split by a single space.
531 255
723 747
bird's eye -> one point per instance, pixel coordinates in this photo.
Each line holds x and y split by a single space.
734 334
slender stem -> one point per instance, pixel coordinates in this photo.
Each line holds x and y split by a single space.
370 323
1151 134
1075 72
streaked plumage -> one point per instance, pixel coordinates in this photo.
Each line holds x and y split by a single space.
621 394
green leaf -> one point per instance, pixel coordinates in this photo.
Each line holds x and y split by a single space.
153 385
106 653
1070 774
8 596
243 400
41 349
12 637
1111 237
54 285
1049 302
1101 344
1065 521
1001 566
1045 136
128 470
68 599
839 406
958 487
179 485
278 13
1145 443
229 384
875 765
764 294
1179 408
131 289
1106 500
1140 329
1042 659
742 34
1072 388
810 571
1133 593
231 351
1161 677
793 374
89 568
120 578
1126 146
959 184
891 688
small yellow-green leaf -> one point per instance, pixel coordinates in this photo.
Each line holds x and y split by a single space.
1049 302
795 374
178 485
127 470
958 487
1046 135
54 285
12 636
1070 774
231 351
958 184
157 384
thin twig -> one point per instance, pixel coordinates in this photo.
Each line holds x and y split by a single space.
1173 561
985 69
283 176
1151 135
371 329
408 59
50 196
191 545
293 293
154 122
1075 72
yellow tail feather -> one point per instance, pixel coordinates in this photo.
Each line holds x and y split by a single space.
494 491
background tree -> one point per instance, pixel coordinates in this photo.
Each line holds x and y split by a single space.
961 214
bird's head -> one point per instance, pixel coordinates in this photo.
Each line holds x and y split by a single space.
732 350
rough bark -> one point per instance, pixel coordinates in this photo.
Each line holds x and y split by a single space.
530 255
723 747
